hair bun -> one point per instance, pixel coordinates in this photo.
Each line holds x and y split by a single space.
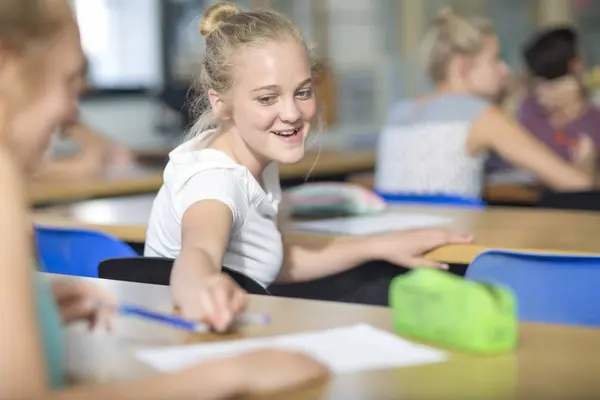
215 15
444 15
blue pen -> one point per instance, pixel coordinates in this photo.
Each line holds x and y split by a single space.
187 324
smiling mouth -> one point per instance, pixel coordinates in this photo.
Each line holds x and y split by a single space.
287 133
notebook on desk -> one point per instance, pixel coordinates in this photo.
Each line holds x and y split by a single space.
370 224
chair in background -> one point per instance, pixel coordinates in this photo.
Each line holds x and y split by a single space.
157 271
74 251
556 289
589 201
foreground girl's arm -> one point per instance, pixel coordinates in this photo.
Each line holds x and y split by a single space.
95 155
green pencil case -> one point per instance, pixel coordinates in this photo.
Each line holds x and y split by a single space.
442 309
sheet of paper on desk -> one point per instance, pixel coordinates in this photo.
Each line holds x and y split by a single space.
344 350
376 223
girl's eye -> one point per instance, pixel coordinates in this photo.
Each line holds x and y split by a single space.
266 100
305 94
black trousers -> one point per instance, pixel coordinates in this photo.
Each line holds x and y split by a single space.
366 284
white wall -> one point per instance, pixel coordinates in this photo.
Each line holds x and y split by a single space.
363 53
122 39
131 120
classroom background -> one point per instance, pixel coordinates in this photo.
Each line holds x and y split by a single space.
141 50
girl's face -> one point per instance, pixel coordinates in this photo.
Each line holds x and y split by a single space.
486 74
48 99
272 104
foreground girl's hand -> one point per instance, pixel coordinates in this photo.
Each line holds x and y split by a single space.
80 301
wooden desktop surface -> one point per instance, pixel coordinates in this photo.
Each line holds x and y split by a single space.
315 164
528 229
144 179
551 362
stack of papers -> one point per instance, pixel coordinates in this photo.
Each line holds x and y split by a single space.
370 224
344 350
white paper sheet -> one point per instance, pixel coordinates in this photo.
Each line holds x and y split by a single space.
377 223
344 350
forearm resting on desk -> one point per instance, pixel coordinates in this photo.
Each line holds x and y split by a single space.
87 138
68 168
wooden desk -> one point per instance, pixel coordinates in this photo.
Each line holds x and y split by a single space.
513 228
145 180
494 192
551 362
137 180
322 163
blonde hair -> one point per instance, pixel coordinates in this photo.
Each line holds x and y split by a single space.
451 34
26 28
25 22
227 29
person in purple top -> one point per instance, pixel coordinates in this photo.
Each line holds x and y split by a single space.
557 109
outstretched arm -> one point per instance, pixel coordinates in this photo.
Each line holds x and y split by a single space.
95 154
494 130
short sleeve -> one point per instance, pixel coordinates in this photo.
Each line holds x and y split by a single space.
219 184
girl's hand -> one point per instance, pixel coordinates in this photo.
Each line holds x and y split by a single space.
216 301
408 248
584 151
80 301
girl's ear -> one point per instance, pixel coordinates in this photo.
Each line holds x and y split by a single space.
218 105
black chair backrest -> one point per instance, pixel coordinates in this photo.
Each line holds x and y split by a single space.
157 271
571 200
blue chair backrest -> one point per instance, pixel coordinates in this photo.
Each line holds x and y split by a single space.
440 200
72 251
556 289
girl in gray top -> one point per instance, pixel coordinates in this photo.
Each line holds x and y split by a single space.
437 144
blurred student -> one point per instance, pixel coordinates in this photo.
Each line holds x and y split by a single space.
41 60
77 152
557 109
437 144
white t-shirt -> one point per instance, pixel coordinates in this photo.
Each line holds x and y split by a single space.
196 173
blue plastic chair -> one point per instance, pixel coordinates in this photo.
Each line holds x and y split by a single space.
440 200
72 251
555 289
